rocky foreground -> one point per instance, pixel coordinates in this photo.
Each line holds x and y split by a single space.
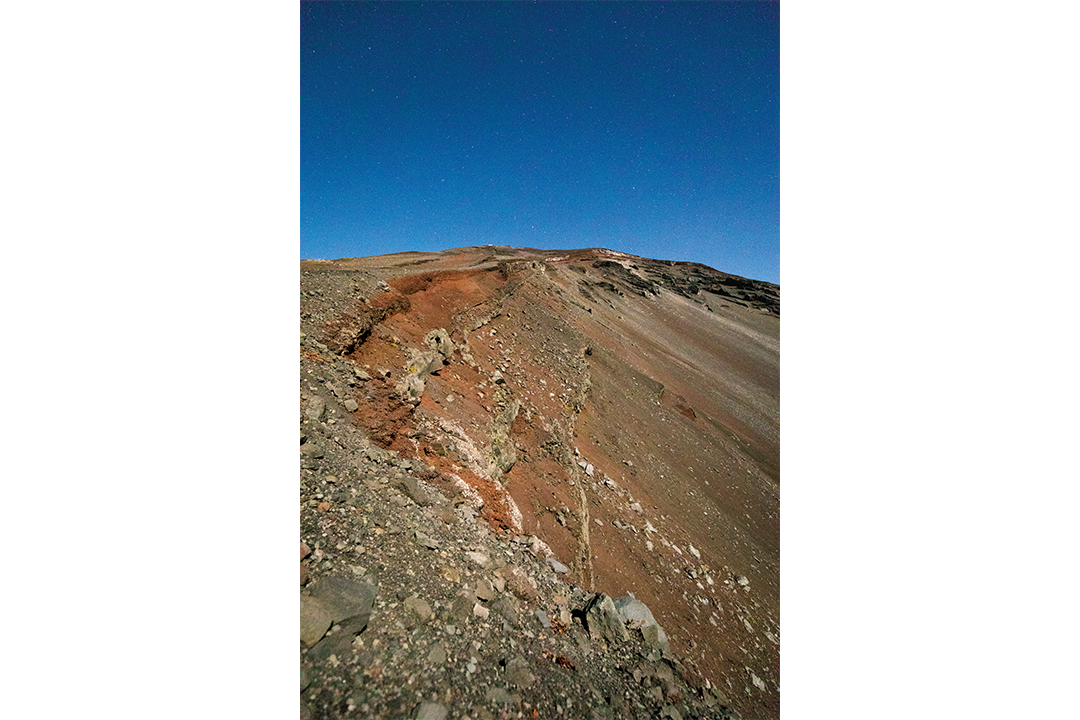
436 582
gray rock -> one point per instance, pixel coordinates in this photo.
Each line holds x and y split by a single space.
651 634
558 566
506 608
602 620
351 405
419 607
542 617
518 672
481 559
499 696
637 615
462 606
437 656
339 641
663 672
484 590
342 597
431 711
503 452
518 582
312 449
315 620
409 486
316 408
718 696
582 641
426 541
439 341
671 712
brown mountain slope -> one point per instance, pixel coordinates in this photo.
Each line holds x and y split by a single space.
624 411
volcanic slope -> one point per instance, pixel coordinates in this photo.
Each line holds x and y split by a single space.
616 414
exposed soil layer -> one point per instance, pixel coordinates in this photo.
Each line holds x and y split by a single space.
624 411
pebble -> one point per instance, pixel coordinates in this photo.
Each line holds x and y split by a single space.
426 541
437 656
498 695
431 711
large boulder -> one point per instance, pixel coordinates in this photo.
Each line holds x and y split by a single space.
439 341
603 621
332 600
635 614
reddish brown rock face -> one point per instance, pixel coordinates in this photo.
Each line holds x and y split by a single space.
648 422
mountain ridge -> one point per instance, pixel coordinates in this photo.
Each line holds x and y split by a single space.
620 411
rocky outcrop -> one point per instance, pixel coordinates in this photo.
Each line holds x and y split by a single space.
503 454
603 621
422 363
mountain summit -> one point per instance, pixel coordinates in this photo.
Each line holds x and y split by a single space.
538 484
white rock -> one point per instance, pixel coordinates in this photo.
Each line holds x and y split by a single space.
479 558
557 566
694 552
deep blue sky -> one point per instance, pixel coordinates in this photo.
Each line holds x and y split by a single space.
646 127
